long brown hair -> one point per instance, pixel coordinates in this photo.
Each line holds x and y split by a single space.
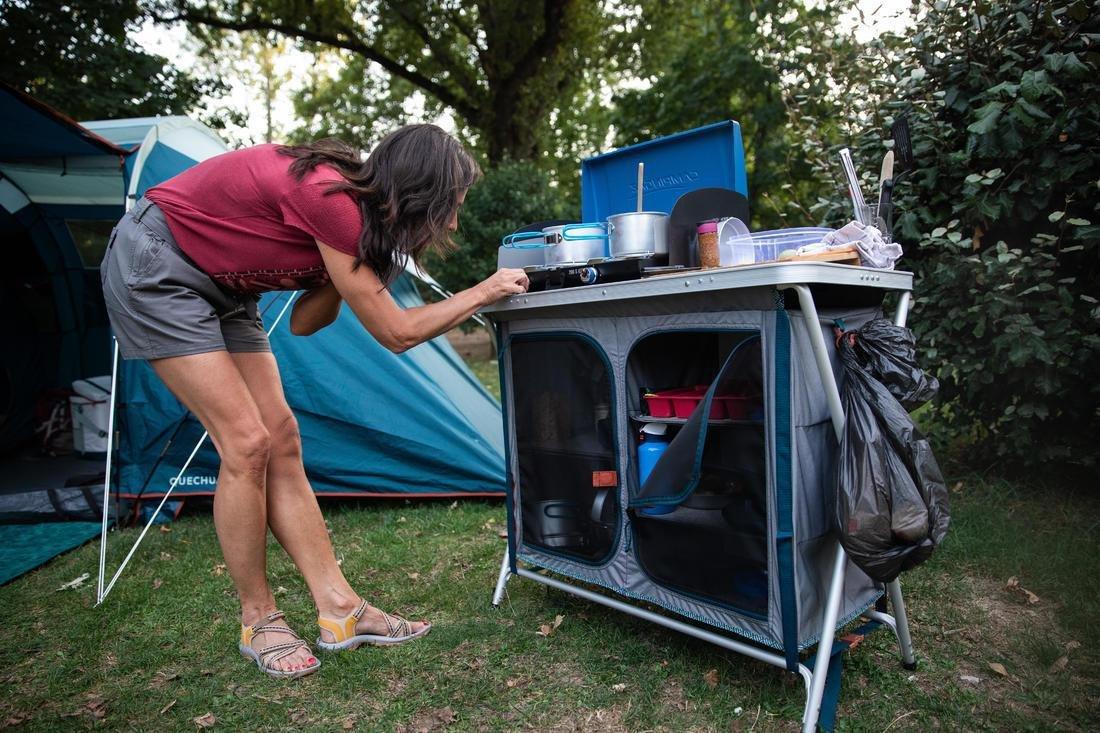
407 190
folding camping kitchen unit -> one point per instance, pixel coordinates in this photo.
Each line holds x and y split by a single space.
730 528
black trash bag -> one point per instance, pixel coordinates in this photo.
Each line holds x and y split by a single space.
891 508
889 353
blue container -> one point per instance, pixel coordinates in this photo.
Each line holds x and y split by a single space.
649 452
710 156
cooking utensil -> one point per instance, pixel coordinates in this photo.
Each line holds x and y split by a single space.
886 173
552 247
853 183
694 207
903 148
641 182
575 244
638 233
885 188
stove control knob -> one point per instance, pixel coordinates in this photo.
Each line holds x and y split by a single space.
589 275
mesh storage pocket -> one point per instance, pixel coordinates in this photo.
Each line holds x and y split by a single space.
700 524
564 410
712 545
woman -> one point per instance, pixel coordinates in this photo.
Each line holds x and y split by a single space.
180 278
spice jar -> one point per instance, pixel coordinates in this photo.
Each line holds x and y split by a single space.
707 238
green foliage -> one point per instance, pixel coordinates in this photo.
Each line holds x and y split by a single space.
517 75
511 195
1001 221
76 57
768 65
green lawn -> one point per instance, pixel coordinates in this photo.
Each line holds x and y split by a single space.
161 651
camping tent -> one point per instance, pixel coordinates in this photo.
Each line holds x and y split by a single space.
375 423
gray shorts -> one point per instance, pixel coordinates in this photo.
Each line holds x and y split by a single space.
161 304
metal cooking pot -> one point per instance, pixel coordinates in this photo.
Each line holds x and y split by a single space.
638 233
575 244
564 244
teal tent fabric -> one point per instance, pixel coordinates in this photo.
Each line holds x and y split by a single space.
372 422
23 547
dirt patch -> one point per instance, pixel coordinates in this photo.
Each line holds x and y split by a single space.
1016 653
474 345
427 721
566 674
672 696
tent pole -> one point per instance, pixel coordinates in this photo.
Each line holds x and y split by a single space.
171 486
502 579
107 473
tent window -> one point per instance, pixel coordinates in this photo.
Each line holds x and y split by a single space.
90 237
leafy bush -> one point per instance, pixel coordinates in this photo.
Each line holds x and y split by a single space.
510 196
1002 222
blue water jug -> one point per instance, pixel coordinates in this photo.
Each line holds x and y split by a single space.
652 443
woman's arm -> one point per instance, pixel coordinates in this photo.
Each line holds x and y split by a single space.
401 329
314 310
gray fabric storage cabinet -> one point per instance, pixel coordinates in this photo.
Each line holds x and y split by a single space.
731 529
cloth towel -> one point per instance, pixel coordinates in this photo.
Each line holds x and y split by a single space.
868 241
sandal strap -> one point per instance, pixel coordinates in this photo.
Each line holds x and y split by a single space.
360 609
274 630
397 626
272 654
273 616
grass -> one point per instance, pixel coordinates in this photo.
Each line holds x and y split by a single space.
160 652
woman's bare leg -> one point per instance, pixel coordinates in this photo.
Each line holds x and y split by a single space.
292 510
212 388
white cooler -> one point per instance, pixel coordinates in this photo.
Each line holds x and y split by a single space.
90 408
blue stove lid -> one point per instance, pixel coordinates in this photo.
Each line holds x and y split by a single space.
706 157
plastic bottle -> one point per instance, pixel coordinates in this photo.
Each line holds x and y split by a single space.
653 441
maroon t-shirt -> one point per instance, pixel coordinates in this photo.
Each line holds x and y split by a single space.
249 225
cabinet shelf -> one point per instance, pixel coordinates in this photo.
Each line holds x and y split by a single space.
638 417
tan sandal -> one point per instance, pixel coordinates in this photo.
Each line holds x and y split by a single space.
266 657
344 636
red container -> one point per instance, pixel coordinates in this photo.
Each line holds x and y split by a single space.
737 407
658 404
681 403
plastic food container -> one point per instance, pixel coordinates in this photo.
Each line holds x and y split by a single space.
766 246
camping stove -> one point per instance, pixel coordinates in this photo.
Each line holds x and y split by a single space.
608 270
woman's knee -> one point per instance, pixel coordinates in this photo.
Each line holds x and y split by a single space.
286 441
246 453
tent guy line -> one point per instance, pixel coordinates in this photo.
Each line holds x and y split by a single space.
101 592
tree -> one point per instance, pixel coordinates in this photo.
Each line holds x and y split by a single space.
506 68
766 64
76 56
1000 220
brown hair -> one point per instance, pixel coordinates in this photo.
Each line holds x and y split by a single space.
407 190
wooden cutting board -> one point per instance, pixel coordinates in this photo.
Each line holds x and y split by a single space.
842 255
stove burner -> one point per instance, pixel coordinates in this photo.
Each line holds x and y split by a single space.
555 277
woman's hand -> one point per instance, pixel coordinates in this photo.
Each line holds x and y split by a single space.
502 283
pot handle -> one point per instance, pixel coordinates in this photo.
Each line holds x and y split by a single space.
579 237
511 241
